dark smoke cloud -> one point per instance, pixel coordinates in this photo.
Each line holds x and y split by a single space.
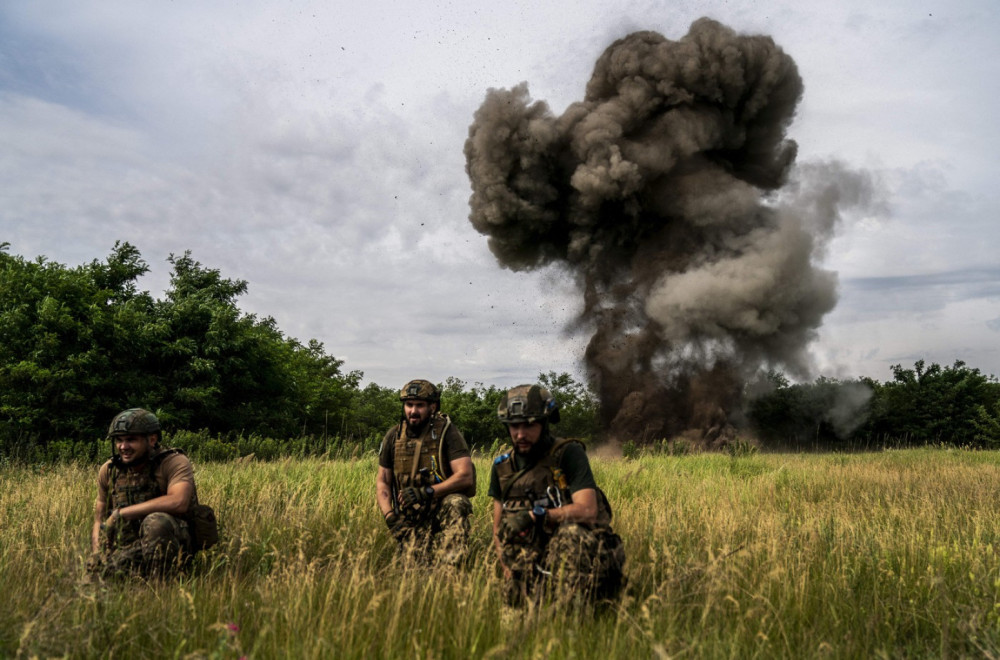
662 194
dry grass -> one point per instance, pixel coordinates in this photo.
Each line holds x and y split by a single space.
891 554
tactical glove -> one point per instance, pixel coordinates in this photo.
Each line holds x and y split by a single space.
414 496
519 524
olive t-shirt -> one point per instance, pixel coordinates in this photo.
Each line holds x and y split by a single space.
574 465
175 468
454 447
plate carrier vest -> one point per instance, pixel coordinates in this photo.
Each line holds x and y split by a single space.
426 452
521 488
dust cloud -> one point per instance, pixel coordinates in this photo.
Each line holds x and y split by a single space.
669 194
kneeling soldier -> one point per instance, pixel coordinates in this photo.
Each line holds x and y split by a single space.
551 523
425 479
146 500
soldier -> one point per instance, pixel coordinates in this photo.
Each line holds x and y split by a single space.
425 479
551 523
146 502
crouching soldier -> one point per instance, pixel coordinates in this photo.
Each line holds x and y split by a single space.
147 519
551 523
425 479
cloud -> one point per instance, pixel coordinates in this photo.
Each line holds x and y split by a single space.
319 156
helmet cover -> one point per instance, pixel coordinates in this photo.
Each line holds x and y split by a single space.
528 404
423 390
134 421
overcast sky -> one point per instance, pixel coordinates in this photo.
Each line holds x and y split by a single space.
314 149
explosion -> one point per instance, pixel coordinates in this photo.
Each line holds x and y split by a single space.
668 194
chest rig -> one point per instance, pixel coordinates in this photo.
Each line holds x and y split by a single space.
127 486
543 483
420 461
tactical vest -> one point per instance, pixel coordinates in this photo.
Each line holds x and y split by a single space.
426 452
127 486
520 489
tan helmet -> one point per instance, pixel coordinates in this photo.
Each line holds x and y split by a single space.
420 389
528 403
134 421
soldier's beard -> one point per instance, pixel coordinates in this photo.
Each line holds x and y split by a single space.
539 449
418 428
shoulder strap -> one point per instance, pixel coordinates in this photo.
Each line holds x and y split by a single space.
416 459
156 460
440 452
517 475
559 446
112 476
154 463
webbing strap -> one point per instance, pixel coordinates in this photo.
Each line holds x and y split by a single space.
444 430
517 475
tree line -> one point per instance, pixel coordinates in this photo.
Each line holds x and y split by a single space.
79 344
925 405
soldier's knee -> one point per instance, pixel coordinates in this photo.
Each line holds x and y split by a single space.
159 525
573 539
456 504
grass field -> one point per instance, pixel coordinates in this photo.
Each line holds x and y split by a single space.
892 554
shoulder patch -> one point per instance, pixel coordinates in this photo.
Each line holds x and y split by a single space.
501 458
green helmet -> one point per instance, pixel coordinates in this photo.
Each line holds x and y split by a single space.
134 421
528 403
420 389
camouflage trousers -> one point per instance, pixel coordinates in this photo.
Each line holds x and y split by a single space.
575 561
155 546
441 536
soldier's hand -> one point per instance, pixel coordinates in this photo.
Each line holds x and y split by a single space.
413 496
94 563
392 520
519 524
111 521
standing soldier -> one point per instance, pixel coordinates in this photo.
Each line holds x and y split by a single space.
425 479
551 523
146 503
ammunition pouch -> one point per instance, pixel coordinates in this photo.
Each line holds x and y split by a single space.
203 527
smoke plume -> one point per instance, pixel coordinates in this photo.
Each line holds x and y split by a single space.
669 194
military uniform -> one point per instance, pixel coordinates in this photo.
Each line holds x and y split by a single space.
157 542
439 529
577 558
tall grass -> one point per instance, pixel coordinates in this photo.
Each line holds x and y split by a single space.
864 555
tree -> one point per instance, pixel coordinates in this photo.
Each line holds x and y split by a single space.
577 405
79 344
473 411
931 404
61 333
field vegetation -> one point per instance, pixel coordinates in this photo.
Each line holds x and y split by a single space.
889 554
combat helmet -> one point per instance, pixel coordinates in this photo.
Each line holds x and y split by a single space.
134 421
529 404
420 389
